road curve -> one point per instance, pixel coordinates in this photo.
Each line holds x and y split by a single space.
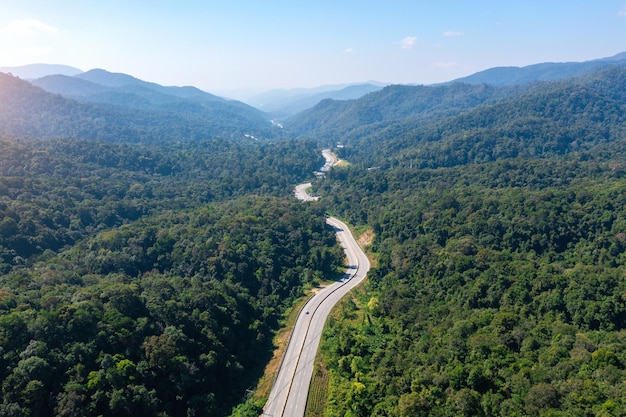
330 158
301 194
290 390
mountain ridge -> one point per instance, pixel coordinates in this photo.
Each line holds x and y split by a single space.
548 119
285 103
547 71
32 71
139 115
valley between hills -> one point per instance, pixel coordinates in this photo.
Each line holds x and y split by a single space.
153 256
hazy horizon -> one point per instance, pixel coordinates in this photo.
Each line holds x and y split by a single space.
250 46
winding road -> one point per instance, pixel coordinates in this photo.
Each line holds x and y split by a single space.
289 393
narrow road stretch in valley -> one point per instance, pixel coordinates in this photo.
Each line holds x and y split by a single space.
330 160
301 193
289 394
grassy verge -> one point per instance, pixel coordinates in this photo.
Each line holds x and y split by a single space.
318 392
280 341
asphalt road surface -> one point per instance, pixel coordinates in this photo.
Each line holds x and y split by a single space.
301 193
291 388
330 160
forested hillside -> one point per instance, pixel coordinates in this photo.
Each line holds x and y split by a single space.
55 193
147 259
350 121
499 290
141 115
173 314
499 237
550 119
460 124
149 280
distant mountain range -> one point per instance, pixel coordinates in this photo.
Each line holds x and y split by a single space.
549 71
65 80
100 86
412 105
101 105
120 107
283 103
32 71
456 124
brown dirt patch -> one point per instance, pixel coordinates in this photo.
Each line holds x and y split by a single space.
366 239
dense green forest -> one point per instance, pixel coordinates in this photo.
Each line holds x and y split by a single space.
456 124
499 290
135 115
55 193
173 314
147 257
500 246
149 280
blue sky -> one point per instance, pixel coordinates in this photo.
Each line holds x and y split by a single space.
224 45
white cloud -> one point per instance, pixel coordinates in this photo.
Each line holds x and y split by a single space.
453 34
408 42
622 12
28 27
349 51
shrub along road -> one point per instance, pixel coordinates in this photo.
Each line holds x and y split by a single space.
290 390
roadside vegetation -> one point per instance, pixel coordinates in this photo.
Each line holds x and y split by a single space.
149 273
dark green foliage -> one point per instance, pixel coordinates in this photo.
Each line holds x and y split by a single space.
171 314
499 290
148 280
457 124
145 281
55 193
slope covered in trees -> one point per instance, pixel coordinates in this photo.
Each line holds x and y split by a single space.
459 124
55 193
348 121
173 314
149 280
145 274
142 115
499 290
550 119
499 237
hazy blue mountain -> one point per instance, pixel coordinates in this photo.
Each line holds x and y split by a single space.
33 71
69 86
131 114
549 71
119 80
135 94
106 88
333 118
284 103
548 119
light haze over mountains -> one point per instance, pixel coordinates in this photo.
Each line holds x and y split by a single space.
101 86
